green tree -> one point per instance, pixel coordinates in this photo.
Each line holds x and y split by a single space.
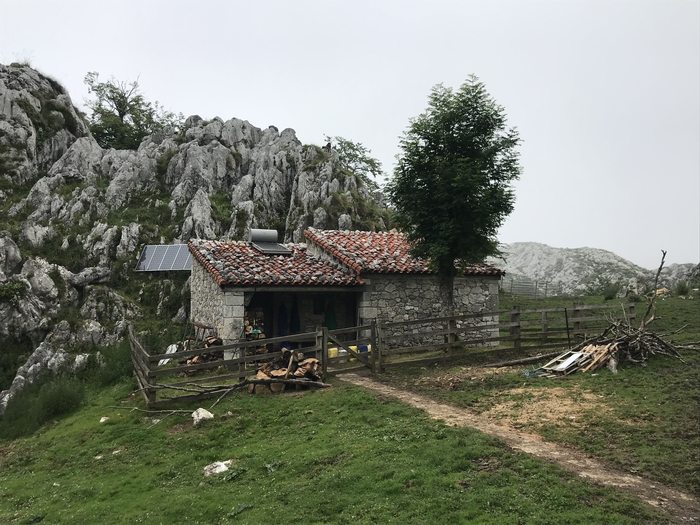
121 117
451 189
356 159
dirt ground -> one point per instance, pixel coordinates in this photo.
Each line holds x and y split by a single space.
684 508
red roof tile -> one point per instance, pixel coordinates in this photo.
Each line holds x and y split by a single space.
382 252
238 263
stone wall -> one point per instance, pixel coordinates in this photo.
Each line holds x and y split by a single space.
215 307
396 298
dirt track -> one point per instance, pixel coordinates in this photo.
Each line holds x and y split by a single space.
682 507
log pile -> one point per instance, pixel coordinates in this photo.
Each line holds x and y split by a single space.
205 357
292 364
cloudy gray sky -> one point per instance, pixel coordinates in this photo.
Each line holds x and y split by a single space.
605 94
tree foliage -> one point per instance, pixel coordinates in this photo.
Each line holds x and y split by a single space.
121 116
452 186
356 158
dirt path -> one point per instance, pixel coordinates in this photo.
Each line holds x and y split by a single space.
683 507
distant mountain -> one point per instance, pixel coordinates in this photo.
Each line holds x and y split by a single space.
575 271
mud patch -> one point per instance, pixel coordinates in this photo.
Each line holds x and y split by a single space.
180 427
538 407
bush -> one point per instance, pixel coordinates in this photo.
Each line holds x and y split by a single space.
14 353
117 365
40 402
682 288
610 290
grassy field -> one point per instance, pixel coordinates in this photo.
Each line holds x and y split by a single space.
643 420
333 456
343 455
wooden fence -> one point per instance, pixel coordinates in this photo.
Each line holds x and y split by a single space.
388 344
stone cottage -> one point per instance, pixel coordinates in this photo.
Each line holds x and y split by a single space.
337 279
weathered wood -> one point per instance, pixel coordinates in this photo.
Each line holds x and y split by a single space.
545 326
361 358
515 330
380 348
341 331
310 336
214 379
522 361
324 349
373 337
418 348
444 318
451 336
226 362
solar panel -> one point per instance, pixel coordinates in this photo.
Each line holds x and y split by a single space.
156 258
271 248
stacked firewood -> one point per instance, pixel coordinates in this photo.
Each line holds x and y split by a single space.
205 357
292 364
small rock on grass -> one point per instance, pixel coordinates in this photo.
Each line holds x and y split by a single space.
201 414
217 467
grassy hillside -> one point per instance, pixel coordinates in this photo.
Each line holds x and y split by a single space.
333 456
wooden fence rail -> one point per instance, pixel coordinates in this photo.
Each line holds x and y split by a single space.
393 343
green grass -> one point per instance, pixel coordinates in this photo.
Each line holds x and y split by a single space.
646 418
334 456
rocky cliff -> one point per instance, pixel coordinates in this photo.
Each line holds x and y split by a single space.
74 216
576 271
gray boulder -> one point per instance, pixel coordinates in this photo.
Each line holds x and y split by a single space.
10 257
198 221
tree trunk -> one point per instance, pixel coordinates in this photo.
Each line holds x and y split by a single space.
446 277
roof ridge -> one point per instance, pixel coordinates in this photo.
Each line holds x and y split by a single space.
209 267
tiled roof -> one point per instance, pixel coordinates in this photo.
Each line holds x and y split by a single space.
238 263
383 252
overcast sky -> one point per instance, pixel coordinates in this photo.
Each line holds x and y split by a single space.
605 94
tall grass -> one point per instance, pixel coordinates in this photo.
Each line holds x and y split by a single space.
55 395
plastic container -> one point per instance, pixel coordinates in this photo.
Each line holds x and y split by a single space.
362 349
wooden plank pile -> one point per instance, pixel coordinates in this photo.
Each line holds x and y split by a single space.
292 364
590 357
617 343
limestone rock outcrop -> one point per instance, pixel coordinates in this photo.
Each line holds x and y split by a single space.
38 123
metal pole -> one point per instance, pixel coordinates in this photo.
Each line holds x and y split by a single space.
568 338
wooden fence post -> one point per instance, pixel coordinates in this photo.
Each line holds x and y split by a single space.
151 391
515 330
324 350
545 327
631 317
451 336
577 312
380 348
375 346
